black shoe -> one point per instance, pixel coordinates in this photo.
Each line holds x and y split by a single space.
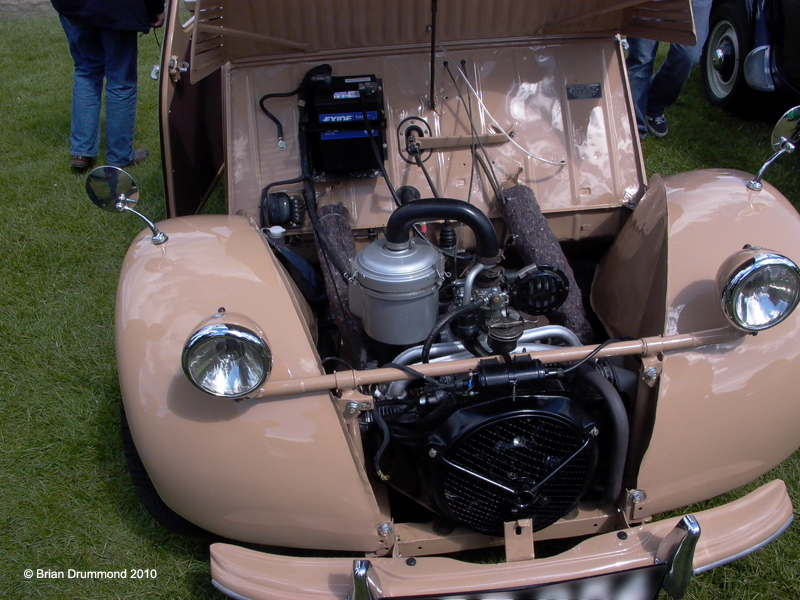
657 125
139 156
81 163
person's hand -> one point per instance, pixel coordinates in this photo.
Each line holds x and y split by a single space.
158 22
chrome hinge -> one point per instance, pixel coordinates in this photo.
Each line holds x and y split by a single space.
175 68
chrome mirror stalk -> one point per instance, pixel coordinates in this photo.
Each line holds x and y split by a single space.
786 147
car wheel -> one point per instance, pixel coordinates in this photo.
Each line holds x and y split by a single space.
146 491
727 46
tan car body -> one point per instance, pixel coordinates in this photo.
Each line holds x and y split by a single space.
286 467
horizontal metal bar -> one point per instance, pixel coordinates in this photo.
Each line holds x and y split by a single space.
349 380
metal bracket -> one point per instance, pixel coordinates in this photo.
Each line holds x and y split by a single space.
519 540
364 583
651 369
175 69
677 549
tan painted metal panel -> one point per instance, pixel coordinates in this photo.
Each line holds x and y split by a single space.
730 413
257 28
726 532
524 87
251 470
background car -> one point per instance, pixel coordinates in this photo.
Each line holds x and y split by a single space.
753 46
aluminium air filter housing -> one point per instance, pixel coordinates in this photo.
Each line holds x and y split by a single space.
396 292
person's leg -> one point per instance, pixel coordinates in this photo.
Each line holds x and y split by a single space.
87 53
674 72
121 75
641 55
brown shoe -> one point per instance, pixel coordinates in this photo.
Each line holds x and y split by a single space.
139 156
81 163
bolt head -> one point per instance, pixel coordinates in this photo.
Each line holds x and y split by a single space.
432 453
651 373
384 529
637 496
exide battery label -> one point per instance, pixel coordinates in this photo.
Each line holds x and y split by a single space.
345 117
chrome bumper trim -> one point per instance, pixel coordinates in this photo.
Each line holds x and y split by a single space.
677 549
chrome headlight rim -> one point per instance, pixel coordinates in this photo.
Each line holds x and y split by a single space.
221 331
743 274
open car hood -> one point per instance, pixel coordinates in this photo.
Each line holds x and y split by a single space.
231 30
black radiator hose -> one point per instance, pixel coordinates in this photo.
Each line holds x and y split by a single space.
399 225
620 429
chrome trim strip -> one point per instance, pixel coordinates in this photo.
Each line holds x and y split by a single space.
228 592
744 553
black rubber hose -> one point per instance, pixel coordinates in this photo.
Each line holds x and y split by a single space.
397 229
620 430
443 322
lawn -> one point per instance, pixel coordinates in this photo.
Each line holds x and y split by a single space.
65 498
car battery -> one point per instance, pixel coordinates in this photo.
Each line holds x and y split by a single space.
337 141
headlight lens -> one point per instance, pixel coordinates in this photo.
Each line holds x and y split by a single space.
228 361
761 292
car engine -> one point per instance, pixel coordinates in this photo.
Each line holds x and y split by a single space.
514 438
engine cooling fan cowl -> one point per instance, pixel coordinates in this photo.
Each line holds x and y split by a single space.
530 457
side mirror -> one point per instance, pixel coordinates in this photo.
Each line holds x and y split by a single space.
785 137
114 190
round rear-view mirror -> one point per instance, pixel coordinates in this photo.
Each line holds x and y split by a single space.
108 186
788 128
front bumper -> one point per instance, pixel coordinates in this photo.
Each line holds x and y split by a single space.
728 532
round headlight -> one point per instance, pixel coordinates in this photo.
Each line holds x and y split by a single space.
761 291
225 360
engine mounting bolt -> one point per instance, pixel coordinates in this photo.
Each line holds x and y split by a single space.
352 408
384 529
637 496
432 453
651 374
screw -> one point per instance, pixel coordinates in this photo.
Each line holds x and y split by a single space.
352 408
432 453
622 535
411 561
637 496
594 432
651 374
384 529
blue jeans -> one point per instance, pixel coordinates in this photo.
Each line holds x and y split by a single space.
100 53
652 95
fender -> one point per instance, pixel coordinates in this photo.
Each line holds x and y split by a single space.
253 470
715 428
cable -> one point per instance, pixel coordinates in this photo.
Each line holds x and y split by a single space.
489 114
594 352
422 166
339 360
443 322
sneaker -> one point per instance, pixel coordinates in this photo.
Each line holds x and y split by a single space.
657 125
81 163
139 156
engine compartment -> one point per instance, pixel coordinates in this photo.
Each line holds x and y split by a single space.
421 234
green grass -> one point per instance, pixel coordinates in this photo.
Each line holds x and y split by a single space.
65 498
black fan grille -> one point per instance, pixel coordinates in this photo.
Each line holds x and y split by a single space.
515 452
